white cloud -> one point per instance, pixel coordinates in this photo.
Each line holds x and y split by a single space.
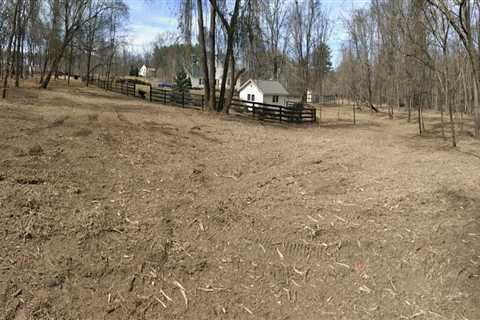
142 35
170 22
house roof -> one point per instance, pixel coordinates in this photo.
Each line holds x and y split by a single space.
268 87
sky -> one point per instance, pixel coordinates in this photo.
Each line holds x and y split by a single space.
149 18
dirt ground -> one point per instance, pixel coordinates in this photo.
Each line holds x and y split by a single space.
113 208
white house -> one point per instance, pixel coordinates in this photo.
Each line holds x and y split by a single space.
196 76
146 72
264 91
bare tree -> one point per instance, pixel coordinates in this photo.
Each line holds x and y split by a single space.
460 15
75 14
14 17
309 26
230 27
274 14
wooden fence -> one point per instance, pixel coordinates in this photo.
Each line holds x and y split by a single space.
260 111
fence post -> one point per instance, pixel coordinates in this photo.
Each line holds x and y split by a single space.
164 96
253 109
183 99
134 89
150 93
354 115
202 102
280 114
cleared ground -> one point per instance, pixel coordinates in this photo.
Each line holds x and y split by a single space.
112 208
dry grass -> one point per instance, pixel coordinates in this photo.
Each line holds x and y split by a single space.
140 211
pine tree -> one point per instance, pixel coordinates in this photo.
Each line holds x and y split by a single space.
133 71
182 82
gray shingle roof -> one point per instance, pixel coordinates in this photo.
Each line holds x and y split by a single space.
269 87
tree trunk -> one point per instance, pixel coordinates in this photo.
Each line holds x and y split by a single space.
232 84
476 108
452 123
409 108
9 49
17 50
420 120
45 65
441 113
465 101
89 61
447 93
22 54
230 27
213 97
233 78
275 67
1 61
70 62
54 66
203 47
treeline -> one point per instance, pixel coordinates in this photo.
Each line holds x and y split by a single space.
169 55
417 54
52 37
413 53
267 39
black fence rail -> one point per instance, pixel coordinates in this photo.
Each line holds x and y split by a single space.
261 111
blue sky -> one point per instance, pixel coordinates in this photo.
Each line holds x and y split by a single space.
148 18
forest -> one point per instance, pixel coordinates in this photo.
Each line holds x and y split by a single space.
418 54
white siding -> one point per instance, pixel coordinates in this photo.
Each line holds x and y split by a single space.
196 82
282 100
249 90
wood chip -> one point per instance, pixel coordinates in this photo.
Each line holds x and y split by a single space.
280 254
182 290
161 302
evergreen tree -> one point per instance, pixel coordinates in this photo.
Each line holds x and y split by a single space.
133 71
182 82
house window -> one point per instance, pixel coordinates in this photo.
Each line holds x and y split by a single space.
253 97
248 97
200 81
275 99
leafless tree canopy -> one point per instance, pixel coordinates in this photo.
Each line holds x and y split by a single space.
52 37
415 54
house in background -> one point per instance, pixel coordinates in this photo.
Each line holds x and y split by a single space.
264 91
146 72
196 76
